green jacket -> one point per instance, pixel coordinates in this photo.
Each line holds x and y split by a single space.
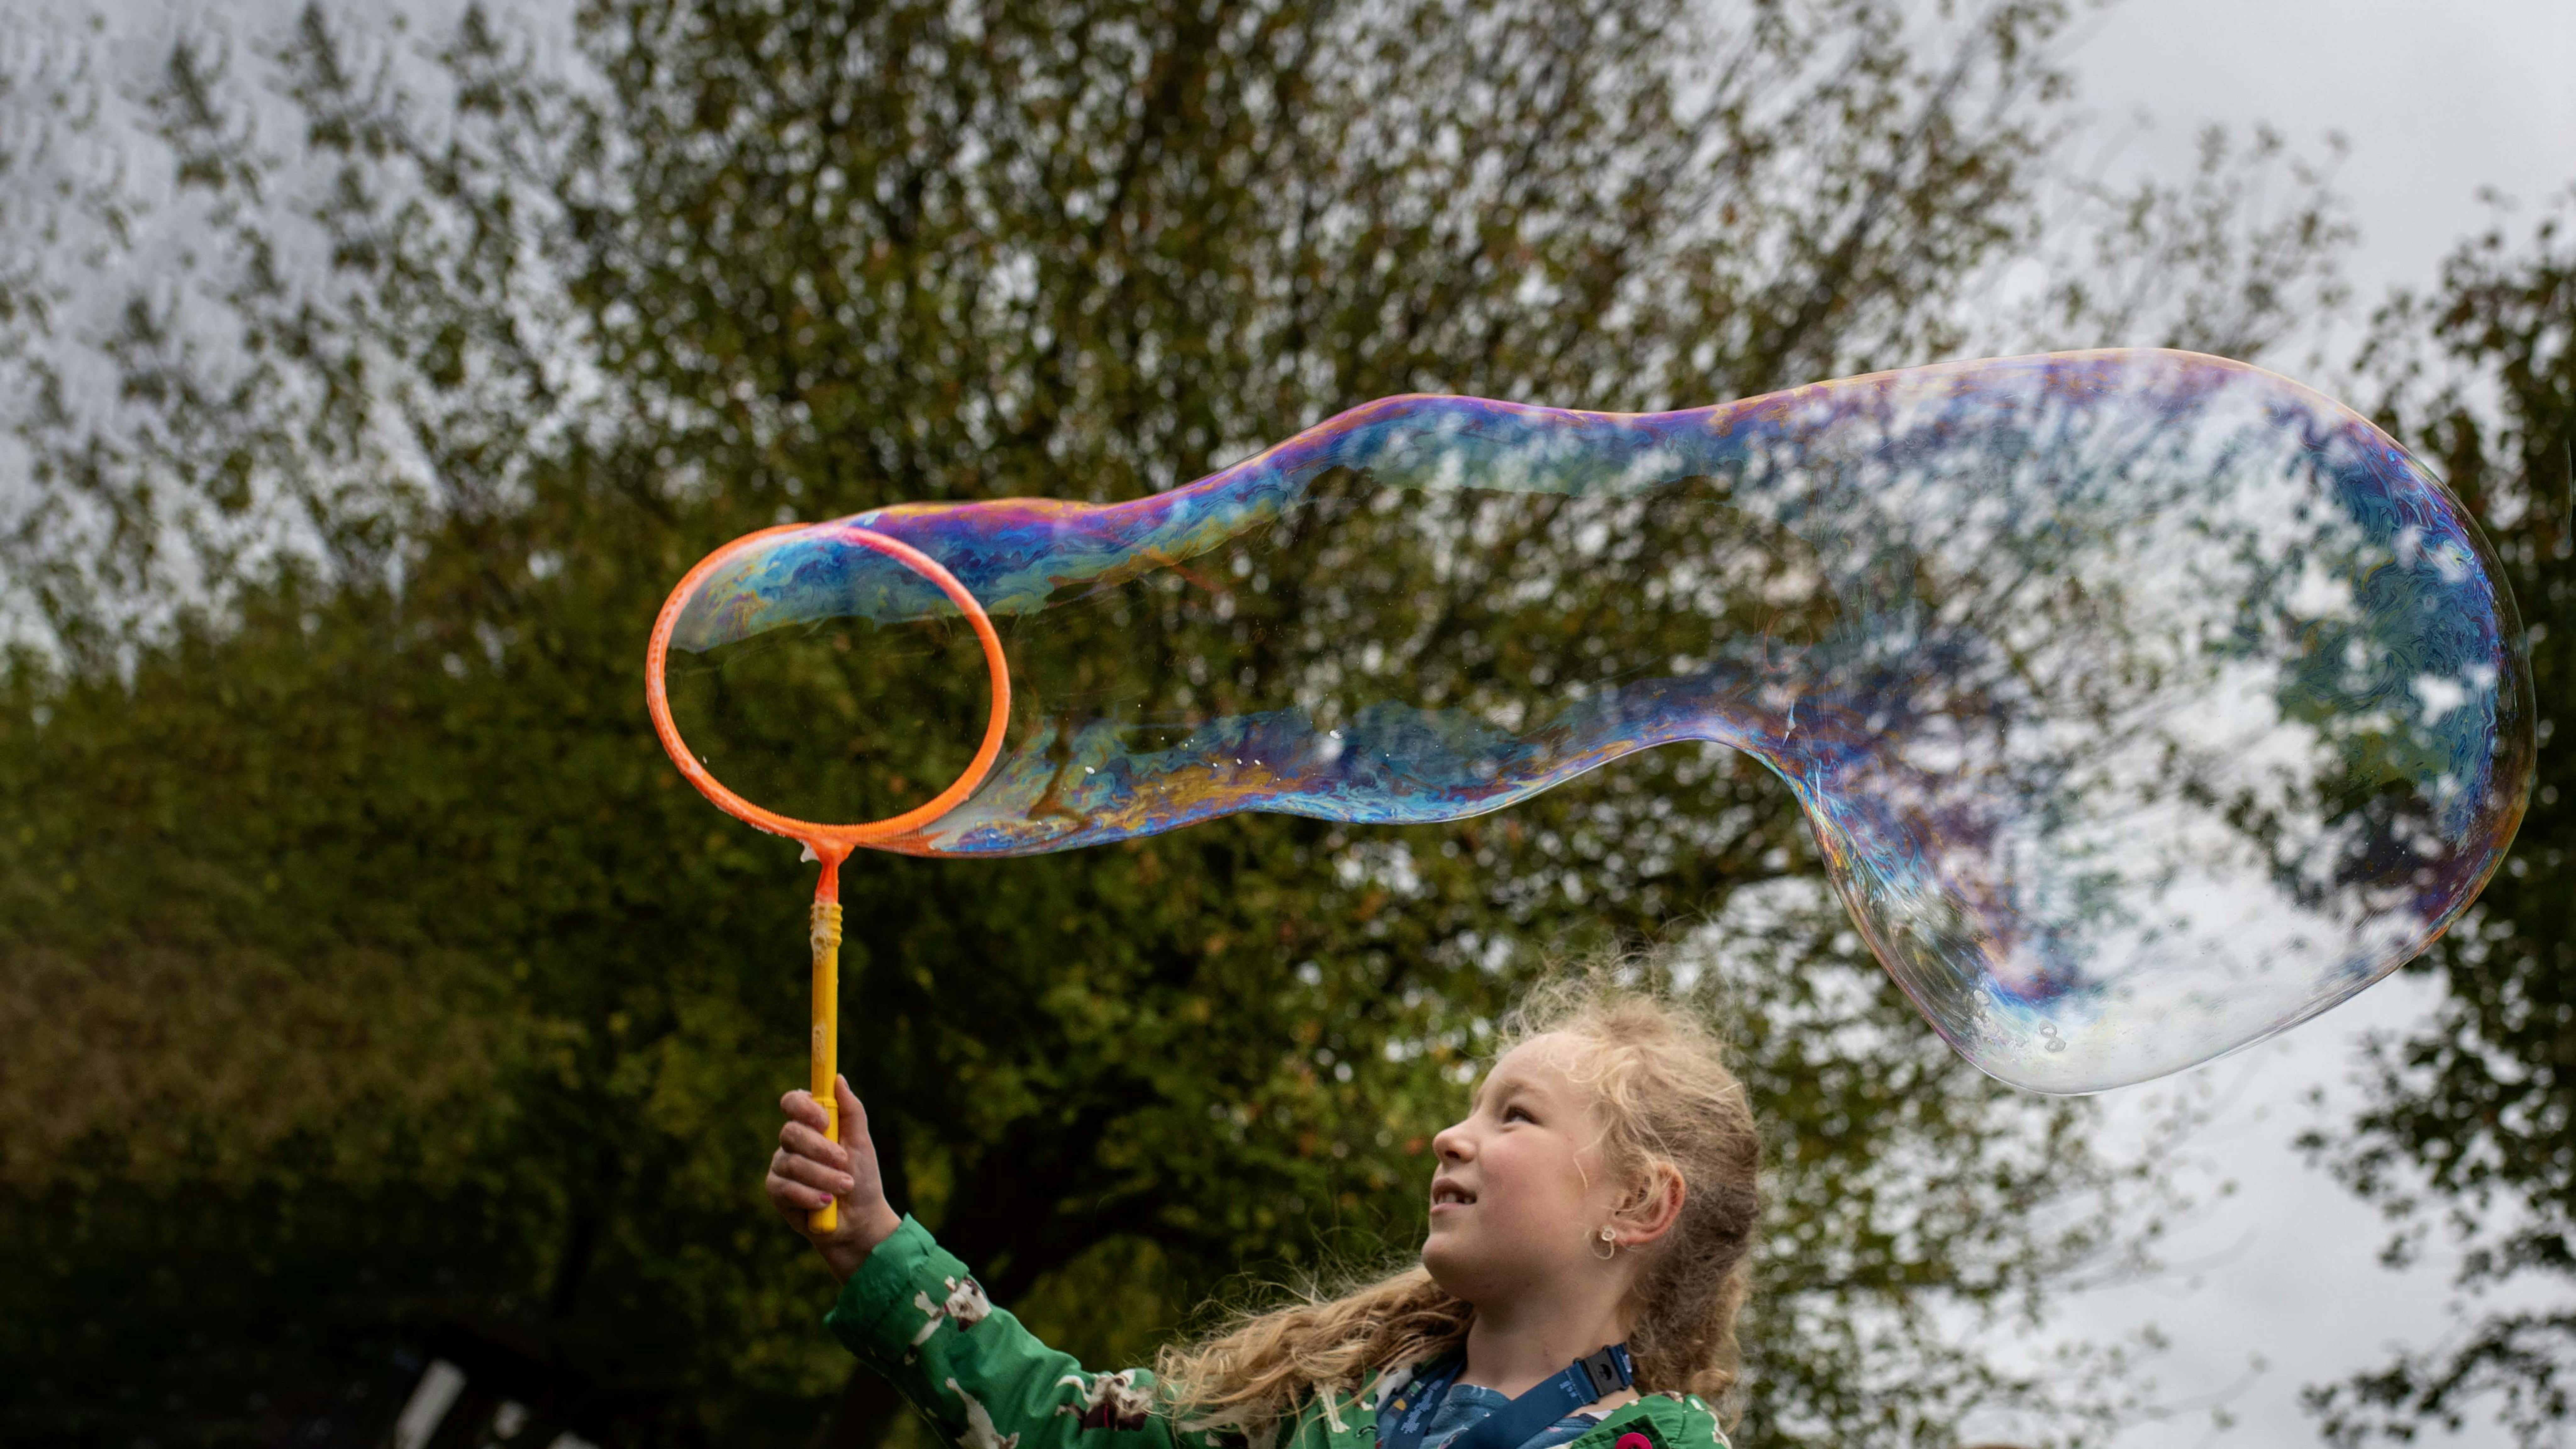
912 1313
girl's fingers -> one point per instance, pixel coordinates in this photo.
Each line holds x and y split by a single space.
810 1170
795 1197
800 1106
805 1141
809 1173
790 1195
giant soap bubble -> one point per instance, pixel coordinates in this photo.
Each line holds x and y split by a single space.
2142 703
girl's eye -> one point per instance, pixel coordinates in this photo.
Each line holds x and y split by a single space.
1520 1112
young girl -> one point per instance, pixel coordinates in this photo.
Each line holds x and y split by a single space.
1590 1219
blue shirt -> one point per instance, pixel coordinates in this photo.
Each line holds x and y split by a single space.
1468 1403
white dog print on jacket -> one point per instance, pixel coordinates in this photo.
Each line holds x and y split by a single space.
966 1307
1109 1401
980 1433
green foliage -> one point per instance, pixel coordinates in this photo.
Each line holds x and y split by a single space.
2467 1126
384 974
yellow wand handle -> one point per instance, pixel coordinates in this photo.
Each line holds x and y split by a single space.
827 1035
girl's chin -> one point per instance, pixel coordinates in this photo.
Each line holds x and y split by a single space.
1446 1260
1458 1275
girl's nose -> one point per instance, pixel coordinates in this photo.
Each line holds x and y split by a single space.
1450 1144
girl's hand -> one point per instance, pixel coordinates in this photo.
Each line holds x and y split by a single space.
810 1170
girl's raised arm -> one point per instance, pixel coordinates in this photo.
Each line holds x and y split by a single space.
911 1311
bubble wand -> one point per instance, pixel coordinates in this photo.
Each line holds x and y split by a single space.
830 844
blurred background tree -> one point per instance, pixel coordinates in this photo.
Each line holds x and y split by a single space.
2469 1120
370 982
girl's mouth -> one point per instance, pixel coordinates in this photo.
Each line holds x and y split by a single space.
1450 1195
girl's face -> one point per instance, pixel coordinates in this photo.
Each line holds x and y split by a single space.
1520 1196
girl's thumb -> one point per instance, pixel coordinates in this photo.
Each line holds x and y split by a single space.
854 1118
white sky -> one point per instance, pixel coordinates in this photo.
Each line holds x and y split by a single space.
2438 101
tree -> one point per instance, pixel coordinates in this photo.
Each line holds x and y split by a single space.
2466 1125
505 1010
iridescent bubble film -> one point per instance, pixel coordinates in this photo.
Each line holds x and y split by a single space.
2142 703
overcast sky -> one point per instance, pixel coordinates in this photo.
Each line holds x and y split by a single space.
2437 101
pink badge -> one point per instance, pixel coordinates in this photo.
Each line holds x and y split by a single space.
1634 1441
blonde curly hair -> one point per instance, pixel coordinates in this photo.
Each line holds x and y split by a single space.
1666 1097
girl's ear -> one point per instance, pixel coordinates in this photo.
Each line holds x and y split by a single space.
1653 1207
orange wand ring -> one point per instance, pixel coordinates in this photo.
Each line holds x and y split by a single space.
831 842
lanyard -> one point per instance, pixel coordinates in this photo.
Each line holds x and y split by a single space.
1587 1380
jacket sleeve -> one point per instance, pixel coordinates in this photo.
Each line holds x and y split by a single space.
914 1314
